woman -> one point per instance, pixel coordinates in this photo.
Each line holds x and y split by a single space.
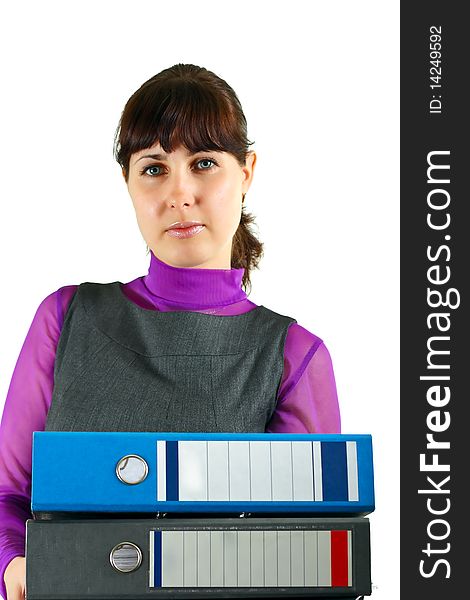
181 348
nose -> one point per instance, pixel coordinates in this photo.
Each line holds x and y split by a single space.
179 192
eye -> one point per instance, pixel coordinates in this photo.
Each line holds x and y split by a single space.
146 171
207 165
206 160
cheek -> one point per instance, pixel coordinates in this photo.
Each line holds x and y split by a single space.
229 200
146 217
227 212
144 205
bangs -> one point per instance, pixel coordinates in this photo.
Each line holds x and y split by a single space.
181 112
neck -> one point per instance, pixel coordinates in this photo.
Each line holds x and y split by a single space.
202 288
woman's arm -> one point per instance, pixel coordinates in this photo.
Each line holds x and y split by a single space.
26 406
307 399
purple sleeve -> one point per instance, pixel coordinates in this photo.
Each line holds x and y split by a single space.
25 411
307 399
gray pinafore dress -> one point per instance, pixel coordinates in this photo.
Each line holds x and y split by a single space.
120 367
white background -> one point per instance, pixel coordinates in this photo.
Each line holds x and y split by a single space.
319 84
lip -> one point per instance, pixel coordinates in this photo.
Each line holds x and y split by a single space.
186 229
184 224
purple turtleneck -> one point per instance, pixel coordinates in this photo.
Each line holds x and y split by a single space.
307 400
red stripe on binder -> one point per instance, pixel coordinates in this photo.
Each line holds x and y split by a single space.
339 558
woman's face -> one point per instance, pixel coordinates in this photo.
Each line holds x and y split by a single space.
206 187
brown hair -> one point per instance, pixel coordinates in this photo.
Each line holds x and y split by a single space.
190 106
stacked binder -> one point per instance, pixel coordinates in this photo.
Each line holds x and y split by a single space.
175 515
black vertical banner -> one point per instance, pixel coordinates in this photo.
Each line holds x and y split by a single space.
435 340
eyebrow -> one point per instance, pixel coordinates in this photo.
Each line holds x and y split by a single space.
165 156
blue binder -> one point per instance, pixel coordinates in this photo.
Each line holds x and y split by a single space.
127 472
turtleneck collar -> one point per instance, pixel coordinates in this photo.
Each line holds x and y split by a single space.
203 288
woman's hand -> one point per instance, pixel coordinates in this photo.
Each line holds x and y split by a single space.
15 578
